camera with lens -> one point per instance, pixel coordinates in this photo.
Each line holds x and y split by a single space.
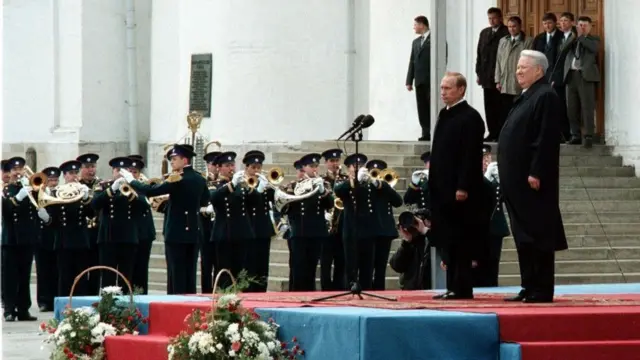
408 220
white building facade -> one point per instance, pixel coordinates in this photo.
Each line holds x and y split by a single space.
283 71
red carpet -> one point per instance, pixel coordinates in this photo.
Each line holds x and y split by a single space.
573 327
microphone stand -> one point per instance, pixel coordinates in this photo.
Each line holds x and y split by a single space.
356 288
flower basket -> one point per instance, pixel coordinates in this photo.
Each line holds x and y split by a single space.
81 333
229 331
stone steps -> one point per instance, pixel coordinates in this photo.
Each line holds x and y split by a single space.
565 171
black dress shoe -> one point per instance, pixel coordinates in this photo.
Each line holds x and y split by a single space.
521 296
588 142
454 296
537 299
25 316
441 296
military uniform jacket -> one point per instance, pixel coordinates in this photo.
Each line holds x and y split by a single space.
307 217
361 215
263 225
144 219
20 222
187 195
117 217
498 225
208 219
338 215
95 186
418 195
231 205
70 222
49 232
386 200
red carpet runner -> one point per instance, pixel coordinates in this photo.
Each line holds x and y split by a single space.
576 327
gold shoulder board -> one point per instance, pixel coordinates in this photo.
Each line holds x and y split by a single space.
173 178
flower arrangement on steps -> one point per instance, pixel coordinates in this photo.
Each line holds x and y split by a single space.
230 331
81 332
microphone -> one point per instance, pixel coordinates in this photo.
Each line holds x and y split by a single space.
354 125
365 123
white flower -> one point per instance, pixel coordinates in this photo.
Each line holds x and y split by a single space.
227 299
136 333
232 353
73 334
114 290
219 346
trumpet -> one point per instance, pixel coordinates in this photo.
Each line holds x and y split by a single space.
338 204
387 175
35 180
127 190
275 175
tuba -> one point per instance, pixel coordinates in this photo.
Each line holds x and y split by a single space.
304 189
65 194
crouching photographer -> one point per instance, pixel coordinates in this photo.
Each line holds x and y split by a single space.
412 260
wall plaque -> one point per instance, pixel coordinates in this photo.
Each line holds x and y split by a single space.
200 86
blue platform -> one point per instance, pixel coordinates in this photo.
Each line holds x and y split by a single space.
376 334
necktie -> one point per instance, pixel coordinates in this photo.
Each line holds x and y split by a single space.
422 40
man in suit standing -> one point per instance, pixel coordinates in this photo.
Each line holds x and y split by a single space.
456 186
581 74
486 69
528 167
420 73
550 43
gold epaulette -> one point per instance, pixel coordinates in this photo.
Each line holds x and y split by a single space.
173 178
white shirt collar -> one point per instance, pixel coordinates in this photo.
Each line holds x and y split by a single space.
567 34
458 102
426 33
551 33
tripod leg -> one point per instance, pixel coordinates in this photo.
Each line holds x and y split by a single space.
378 297
333 296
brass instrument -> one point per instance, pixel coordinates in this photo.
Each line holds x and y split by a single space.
375 173
389 176
424 173
338 204
304 189
154 181
127 190
143 178
275 175
35 180
65 194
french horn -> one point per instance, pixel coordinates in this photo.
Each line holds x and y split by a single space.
304 189
65 194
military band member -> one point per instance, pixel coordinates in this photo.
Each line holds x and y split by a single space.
232 231
208 257
6 172
283 224
146 230
117 222
188 193
361 219
72 243
308 226
417 193
6 180
498 229
384 203
258 251
332 257
21 230
88 177
46 257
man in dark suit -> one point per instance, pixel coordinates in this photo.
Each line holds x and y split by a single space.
581 74
188 193
486 69
549 42
528 160
420 73
456 186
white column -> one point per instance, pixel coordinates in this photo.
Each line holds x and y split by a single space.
67 39
438 68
